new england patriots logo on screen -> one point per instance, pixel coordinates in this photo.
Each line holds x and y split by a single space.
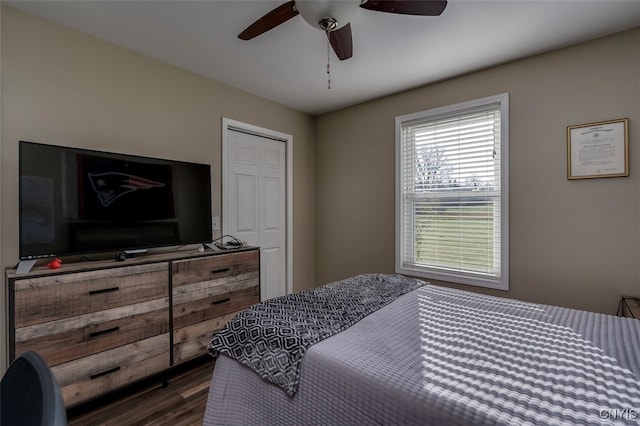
111 186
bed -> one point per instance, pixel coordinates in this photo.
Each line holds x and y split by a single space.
430 355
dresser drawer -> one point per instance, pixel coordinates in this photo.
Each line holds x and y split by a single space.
71 338
202 304
94 375
192 341
225 268
47 298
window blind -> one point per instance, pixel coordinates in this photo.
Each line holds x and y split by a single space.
451 192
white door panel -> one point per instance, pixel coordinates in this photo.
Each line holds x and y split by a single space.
255 202
272 259
272 210
245 203
272 159
244 154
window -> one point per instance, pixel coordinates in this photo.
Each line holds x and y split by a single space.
452 193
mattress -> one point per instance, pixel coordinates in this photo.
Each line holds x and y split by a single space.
438 356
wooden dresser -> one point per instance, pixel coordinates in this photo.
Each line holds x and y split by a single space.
103 325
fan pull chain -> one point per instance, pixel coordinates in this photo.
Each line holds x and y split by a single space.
328 62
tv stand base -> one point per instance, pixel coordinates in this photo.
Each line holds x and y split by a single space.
133 253
25 266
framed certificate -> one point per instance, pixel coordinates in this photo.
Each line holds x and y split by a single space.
598 150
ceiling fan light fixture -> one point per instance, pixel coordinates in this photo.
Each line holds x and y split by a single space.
328 24
333 17
327 15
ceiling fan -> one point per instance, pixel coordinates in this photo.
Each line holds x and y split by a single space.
333 16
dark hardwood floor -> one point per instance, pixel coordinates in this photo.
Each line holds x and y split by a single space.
181 403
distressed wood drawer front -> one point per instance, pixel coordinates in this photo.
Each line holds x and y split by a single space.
190 308
192 341
231 266
71 338
96 374
47 298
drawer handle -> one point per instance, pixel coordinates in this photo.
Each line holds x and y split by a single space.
101 332
217 302
104 290
104 373
221 270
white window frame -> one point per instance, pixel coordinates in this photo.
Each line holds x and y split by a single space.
501 279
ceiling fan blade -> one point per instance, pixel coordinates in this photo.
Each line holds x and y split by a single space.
407 7
341 42
271 20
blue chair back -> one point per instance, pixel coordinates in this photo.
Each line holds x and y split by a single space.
29 394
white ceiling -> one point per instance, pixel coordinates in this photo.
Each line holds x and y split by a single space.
391 52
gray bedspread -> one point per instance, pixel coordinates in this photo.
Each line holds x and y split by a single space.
439 356
272 336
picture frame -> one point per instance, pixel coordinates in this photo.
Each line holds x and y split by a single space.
598 150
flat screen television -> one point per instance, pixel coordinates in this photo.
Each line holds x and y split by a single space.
78 201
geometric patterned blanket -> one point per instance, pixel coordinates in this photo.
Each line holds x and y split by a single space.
271 337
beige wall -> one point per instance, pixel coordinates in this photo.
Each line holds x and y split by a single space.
62 87
573 243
